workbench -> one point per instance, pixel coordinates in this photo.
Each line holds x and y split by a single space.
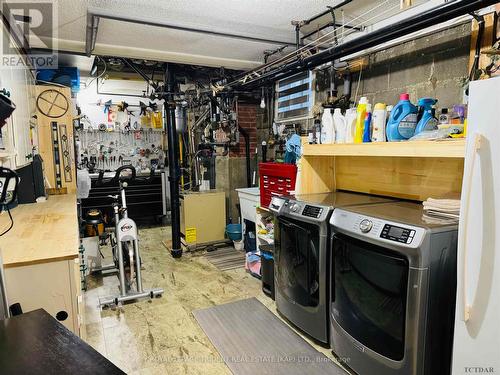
41 260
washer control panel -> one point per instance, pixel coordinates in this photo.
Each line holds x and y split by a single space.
299 209
312 211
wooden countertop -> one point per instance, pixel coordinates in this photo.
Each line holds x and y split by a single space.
42 232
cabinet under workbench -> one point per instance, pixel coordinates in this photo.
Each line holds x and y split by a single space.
41 259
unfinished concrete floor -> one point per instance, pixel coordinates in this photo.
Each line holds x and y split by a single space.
162 336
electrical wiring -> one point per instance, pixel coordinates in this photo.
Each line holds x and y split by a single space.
87 85
312 47
11 223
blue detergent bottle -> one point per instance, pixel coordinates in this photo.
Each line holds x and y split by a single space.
403 120
426 115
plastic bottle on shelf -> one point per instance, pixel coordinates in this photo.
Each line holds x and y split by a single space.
403 120
444 117
379 120
367 129
426 118
351 116
327 127
340 124
360 120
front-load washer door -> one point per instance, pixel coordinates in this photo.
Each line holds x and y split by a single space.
369 295
297 262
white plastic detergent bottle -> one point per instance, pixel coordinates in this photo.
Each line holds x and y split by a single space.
360 120
403 120
351 116
340 123
379 121
327 127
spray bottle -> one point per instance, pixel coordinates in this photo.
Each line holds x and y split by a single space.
379 120
360 120
426 115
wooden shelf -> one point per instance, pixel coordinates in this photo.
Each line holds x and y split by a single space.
420 149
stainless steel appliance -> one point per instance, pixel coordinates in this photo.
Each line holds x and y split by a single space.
302 256
393 289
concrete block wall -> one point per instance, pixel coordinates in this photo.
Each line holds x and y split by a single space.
431 66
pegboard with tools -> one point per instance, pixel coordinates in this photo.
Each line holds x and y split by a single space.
107 150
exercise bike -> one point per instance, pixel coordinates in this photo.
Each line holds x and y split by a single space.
125 246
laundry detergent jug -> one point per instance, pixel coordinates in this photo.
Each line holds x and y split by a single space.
426 115
360 120
403 120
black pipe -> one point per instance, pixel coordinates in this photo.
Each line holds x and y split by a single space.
264 152
173 162
140 72
297 36
313 18
431 17
247 154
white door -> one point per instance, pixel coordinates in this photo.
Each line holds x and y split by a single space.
477 323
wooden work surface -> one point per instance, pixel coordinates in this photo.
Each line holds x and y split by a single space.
36 343
42 232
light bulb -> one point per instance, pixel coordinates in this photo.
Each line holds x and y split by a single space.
262 103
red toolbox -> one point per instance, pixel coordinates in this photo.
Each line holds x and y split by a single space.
276 179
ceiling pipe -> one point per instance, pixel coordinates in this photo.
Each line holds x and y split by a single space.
328 11
431 17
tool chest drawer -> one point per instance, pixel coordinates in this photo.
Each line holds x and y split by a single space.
276 179
145 198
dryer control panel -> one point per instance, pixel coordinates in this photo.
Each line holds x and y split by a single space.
376 228
398 234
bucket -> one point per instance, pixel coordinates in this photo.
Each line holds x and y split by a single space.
238 245
234 231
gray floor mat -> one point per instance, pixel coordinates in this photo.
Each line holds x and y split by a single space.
252 340
226 258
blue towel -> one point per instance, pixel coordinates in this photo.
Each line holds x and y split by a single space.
293 149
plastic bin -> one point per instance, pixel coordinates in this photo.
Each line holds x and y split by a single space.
267 269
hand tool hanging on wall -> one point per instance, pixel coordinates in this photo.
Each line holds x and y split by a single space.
57 160
68 176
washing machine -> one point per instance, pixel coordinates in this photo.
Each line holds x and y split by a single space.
392 289
301 257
